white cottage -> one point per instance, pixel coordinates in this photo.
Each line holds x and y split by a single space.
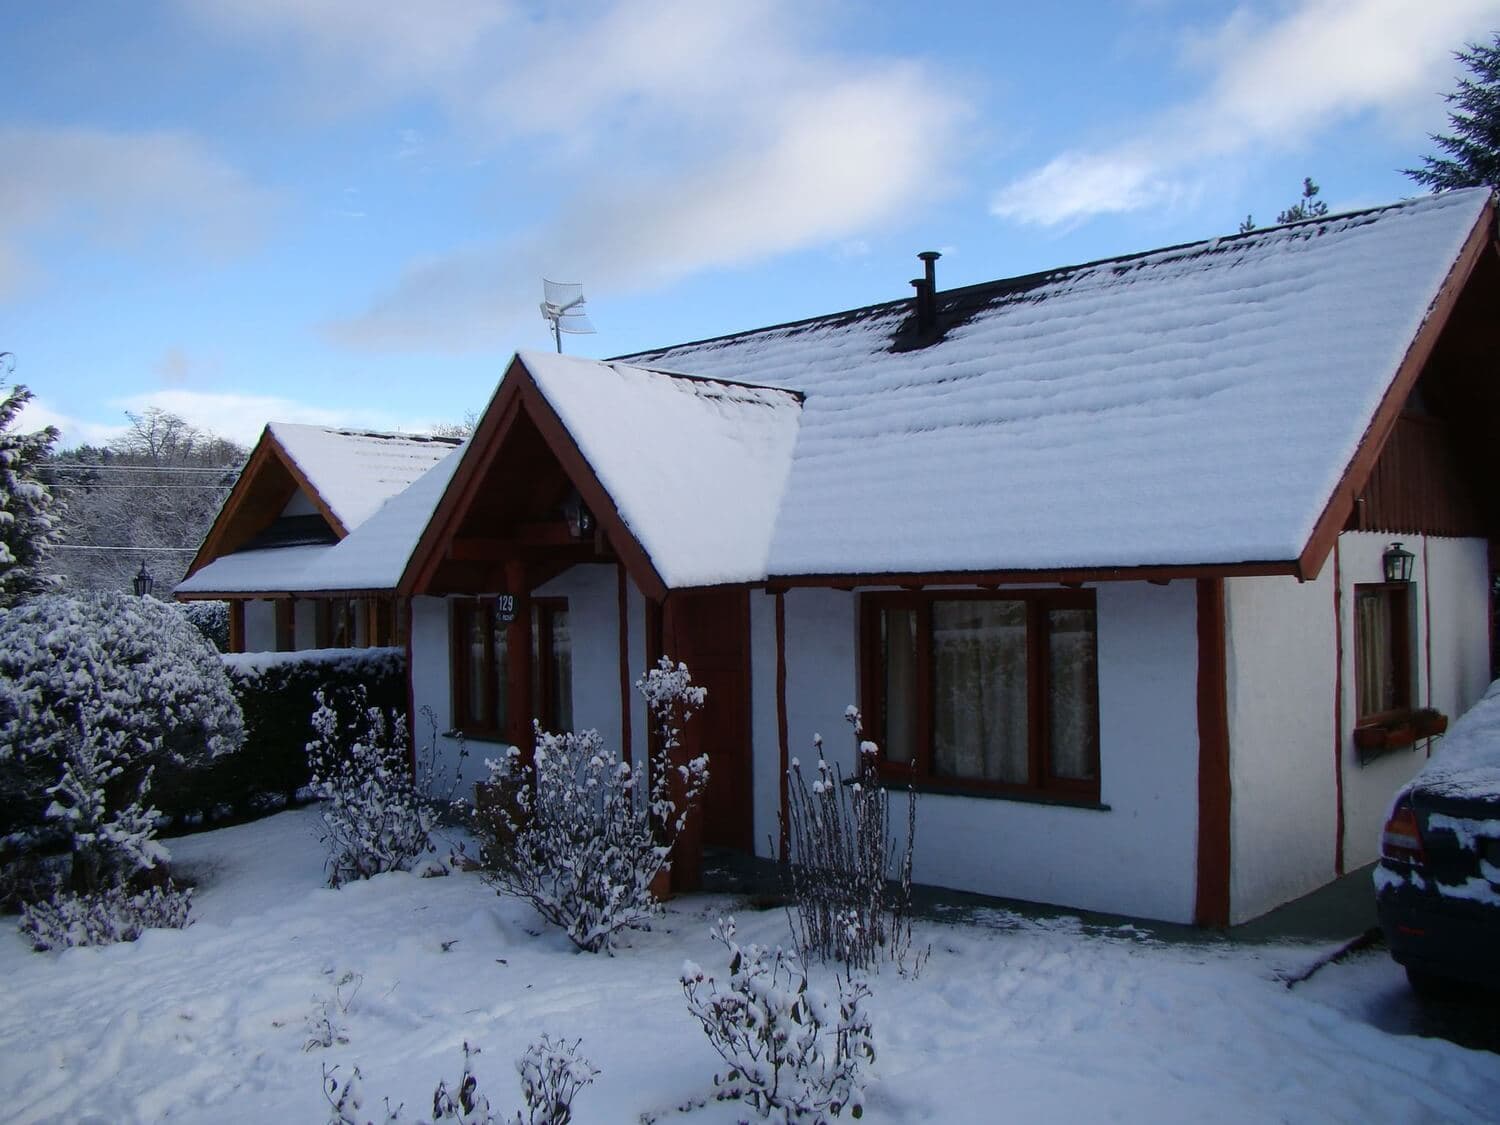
1102 554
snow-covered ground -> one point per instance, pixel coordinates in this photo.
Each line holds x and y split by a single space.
1010 1020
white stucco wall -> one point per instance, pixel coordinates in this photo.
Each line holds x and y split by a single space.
1451 579
1283 678
1281 662
260 625
1135 857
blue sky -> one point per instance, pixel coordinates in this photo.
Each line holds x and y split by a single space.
254 210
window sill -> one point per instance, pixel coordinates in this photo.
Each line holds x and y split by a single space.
487 737
943 789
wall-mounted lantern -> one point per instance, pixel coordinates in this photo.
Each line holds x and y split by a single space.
580 519
143 582
1397 563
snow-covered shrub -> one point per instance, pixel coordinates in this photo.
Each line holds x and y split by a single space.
101 672
574 832
325 1025
103 917
843 904
552 1073
379 800
794 1054
211 619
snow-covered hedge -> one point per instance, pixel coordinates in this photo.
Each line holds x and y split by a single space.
275 692
95 670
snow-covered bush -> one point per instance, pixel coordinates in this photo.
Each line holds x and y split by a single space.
574 832
211 619
843 904
103 917
379 801
552 1073
95 693
794 1054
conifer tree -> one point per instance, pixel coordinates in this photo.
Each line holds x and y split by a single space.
28 512
1472 151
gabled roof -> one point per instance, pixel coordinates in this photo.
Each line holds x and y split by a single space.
695 467
1200 405
347 476
370 558
354 472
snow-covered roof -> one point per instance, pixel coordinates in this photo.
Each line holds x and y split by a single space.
268 570
696 467
1196 405
356 471
371 557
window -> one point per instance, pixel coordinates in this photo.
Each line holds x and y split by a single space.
1382 650
482 667
985 692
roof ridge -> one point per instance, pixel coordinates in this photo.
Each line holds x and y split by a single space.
1023 281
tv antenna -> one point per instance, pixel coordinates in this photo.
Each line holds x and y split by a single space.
562 305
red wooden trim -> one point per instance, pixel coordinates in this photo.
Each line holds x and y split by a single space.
1065 577
1357 472
783 746
403 606
286 625
1338 711
626 696
237 626
1427 619
518 646
1211 907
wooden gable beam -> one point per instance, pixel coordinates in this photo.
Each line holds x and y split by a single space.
1357 473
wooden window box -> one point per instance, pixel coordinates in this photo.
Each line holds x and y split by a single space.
1396 732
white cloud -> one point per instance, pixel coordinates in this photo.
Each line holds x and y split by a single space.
37 414
1273 84
120 190
241 417
676 136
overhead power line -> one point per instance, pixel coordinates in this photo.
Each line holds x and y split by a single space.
122 547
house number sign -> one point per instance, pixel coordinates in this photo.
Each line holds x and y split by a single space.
505 608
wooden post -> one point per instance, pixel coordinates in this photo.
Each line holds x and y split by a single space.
1211 907
519 704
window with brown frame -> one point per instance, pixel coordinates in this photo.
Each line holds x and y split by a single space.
993 693
481 667
1382 650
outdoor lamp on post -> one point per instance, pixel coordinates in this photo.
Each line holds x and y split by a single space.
143 582
576 512
1397 563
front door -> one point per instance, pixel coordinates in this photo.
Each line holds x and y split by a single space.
709 631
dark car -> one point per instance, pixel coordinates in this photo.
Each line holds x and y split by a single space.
1438 880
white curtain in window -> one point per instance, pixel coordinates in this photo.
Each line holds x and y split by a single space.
979 690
